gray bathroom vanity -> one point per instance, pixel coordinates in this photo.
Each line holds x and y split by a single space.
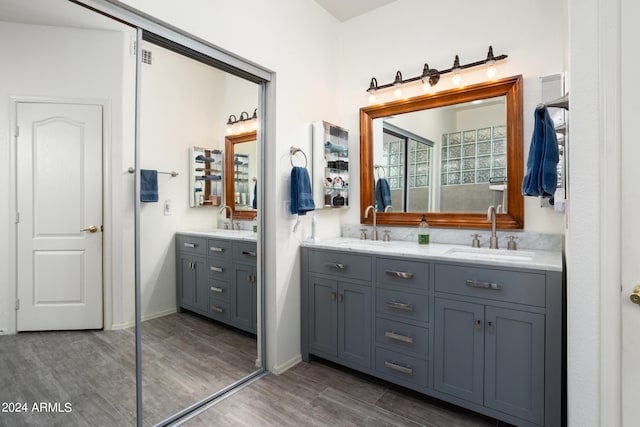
477 329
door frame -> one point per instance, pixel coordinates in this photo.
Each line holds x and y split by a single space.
107 217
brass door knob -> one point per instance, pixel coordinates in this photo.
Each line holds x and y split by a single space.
635 296
91 229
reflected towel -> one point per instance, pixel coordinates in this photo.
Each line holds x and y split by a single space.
382 194
254 204
541 177
148 185
301 194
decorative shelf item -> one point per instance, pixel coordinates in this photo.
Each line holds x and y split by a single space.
207 177
330 180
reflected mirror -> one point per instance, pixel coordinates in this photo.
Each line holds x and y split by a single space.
451 155
241 174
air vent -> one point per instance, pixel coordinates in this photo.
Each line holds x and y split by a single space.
146 56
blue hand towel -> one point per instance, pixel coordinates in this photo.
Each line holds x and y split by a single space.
254 204
541 177
301 194
148 185
382 194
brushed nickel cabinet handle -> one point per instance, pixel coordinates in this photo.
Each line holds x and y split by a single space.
335 265
216 249
217 309
248 253
483 285
333 296
189 245
217 269
478 325
398 337
399 368
399 305
400 274
216 289
490 327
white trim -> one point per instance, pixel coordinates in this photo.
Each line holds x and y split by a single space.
107 237
131 324
610 209
283 367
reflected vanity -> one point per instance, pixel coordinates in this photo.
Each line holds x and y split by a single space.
451 154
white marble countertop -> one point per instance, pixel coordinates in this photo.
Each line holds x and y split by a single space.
244 235
532 259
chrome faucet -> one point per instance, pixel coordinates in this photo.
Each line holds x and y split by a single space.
230 215
491 216
374 233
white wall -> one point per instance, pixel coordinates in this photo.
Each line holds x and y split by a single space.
69 63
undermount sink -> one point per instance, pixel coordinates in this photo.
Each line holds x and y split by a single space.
490 254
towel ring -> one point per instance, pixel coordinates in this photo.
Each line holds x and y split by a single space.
293 151
377 169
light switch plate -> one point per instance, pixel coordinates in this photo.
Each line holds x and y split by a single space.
167 207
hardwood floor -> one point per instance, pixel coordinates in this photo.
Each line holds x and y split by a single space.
323 394
94 372
185 358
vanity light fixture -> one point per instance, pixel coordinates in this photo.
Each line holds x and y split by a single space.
431 76
240 124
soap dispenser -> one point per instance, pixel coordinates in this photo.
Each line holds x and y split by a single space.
423 231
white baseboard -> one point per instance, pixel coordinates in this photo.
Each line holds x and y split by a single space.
283 367
131 324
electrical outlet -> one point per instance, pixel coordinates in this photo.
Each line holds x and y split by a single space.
167 207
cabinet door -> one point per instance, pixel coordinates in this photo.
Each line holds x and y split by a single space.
459 349
514 363
354 323
186 282
243 297
323 315
201 283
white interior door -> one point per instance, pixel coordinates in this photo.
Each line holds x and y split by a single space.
630 250
59 194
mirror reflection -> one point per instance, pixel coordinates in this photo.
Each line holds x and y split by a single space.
199 290
450 154
241 173
445 159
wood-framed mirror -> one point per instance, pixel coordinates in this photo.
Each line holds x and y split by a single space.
240 173
442 166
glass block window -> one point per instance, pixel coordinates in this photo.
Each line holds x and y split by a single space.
393 150
474 156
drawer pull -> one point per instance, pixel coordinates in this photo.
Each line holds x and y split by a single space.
400 274
399 337
216 249
216 289
399 305
399 368
336 265
217 269
217 309
189 245
248 253
483 285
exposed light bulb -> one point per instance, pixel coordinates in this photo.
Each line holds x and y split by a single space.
397 92
229 130
255 124
491 70
426 87
372 97
241 128
397 83
456 79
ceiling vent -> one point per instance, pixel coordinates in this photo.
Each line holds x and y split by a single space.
146 56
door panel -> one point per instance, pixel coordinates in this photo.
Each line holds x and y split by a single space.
323 319
354 331
59 194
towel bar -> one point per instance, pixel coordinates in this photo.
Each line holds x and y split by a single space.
172 173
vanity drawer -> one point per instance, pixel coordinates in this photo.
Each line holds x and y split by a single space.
219 268
218 309
402 367
219 290
402 337
402 304
500 285
191 244
220 248
397 272
340 264
245 251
